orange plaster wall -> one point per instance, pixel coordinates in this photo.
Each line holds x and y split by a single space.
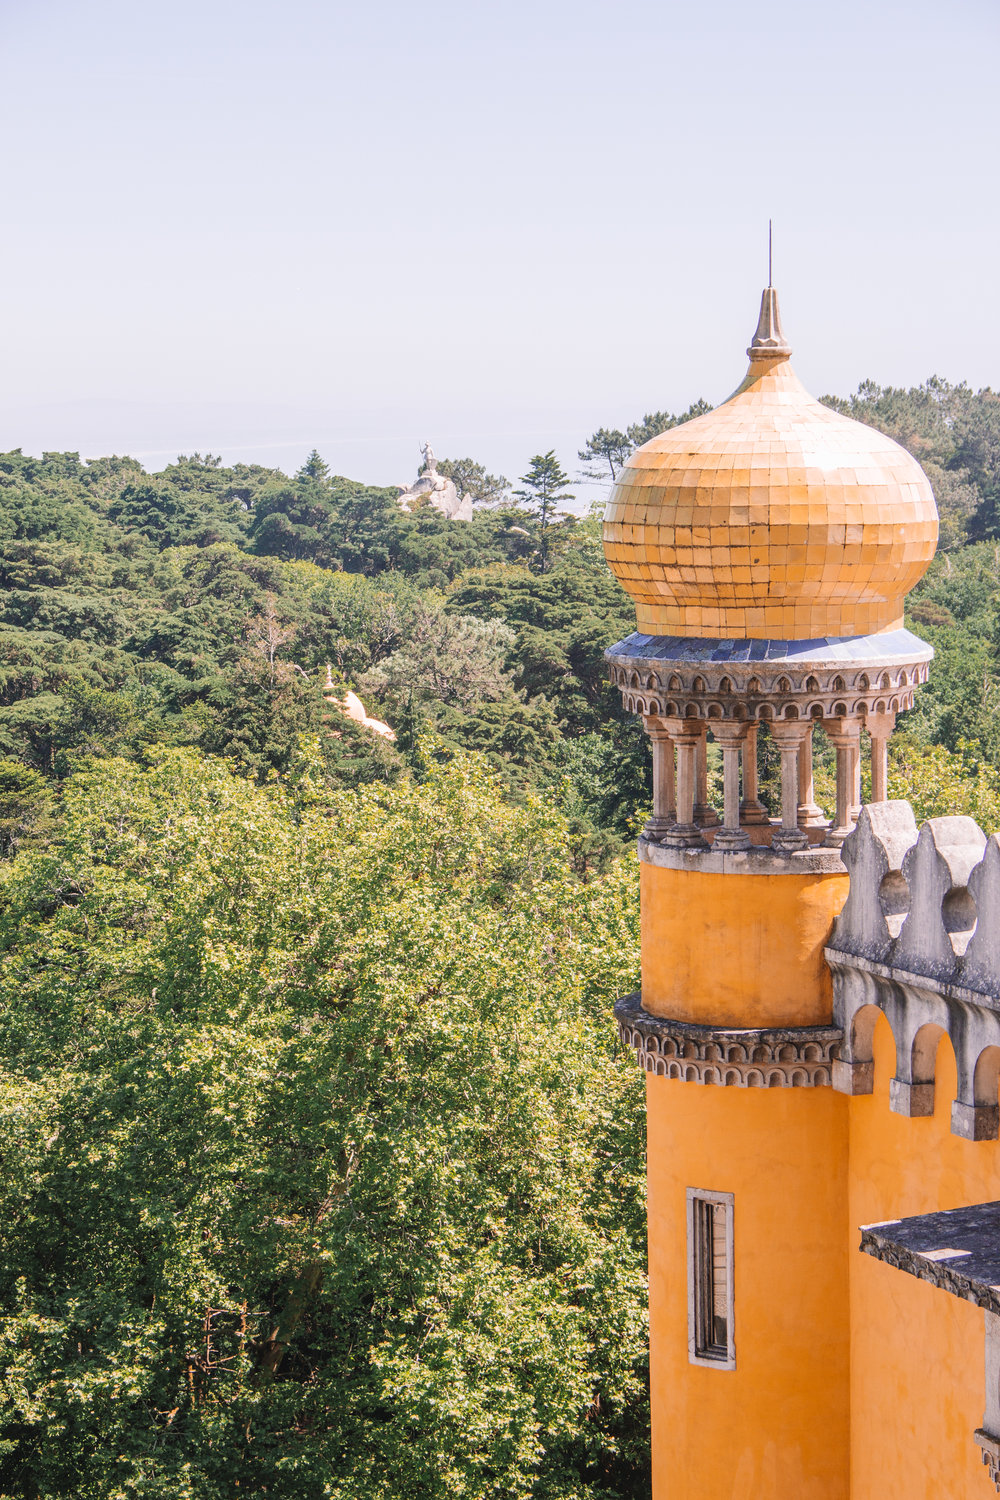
917 1377
738 950
776 1427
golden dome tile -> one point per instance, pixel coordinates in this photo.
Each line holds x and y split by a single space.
771 516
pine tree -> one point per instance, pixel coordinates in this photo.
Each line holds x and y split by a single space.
609 449
544 487
314 468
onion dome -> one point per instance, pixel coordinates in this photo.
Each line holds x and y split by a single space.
771 517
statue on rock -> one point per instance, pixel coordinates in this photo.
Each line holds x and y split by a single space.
433 488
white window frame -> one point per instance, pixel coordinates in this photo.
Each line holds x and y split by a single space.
699 1355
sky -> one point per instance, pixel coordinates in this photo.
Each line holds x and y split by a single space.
252 228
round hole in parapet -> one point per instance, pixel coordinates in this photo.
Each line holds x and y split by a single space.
894 899
959 910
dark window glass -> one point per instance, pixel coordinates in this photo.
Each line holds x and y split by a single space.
711 1280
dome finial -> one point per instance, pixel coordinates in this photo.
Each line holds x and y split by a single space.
769 341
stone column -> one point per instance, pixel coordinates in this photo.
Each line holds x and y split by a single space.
856 780
687 735
789 735
752 811
731 735
705 815
664 779
880 727
845 736
810 814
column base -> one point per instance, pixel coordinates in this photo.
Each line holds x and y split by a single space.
655 828
705 815
789 840
853 1077
835 837
684 836
732 839
914 1100
811 816
754 814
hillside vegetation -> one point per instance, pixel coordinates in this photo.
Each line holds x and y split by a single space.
322 1172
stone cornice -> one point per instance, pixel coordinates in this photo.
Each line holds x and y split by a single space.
752 1057
686 678
919 984
759 860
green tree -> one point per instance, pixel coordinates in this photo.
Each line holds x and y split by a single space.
653 423
171 517
471 478
25 805
545 487
314 468
446 658
322 1177
940 783
609 450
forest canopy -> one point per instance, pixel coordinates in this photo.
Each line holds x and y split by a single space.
323 1174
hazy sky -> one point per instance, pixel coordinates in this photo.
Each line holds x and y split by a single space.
252 227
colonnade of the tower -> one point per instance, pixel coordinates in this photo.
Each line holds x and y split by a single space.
682 811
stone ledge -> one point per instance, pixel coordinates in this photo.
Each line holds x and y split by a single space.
760 860
895 974
887 648
690 677
768 1057
956 1250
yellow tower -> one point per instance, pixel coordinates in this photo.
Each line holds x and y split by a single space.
768 546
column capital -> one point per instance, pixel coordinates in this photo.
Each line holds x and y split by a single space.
844 731
880 723
729 732
657 724
789 733
686 731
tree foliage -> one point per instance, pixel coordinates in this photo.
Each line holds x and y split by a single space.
955 434
472 479
608 449
321 1176
546 486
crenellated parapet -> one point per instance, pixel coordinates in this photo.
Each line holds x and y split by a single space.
918 941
